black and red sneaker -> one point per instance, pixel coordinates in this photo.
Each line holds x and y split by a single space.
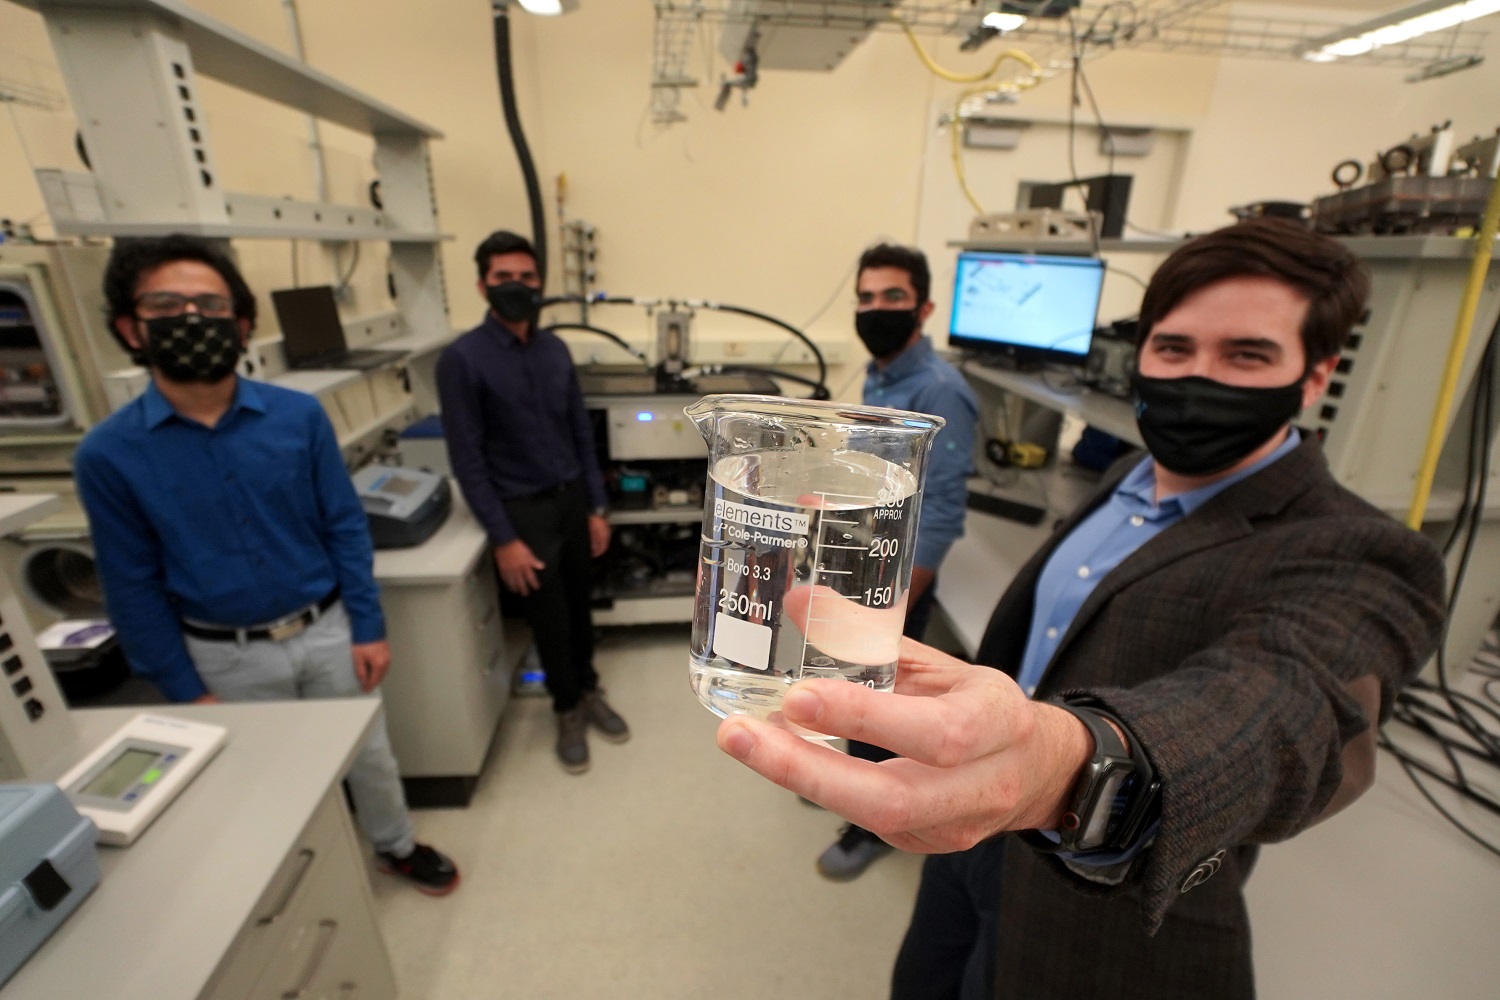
429 870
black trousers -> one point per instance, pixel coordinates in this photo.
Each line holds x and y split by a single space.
949 949
556 529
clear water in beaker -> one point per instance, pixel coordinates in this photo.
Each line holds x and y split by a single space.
804 569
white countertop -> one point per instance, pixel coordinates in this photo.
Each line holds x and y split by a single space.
314 381
1111 415
170 905
447 556
17 510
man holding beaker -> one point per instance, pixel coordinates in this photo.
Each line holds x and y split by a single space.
1193 665
522 450
905 373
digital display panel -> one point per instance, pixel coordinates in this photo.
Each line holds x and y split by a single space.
121 774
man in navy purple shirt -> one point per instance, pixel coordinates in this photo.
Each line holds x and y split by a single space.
522 449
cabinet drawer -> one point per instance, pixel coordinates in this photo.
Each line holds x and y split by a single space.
265 933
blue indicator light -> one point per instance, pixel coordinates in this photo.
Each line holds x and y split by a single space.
645 416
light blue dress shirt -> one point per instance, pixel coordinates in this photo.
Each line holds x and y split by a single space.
1129 519
920 381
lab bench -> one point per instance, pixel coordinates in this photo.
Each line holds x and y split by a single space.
452 658
250 886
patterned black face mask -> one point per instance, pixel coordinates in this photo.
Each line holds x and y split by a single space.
193 348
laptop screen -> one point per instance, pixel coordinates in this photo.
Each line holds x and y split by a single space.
310 323
1033 306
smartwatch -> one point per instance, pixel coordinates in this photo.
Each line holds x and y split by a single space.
1115 794
600 512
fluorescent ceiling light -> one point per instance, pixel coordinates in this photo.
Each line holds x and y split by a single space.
548 8
1397 27
1001 21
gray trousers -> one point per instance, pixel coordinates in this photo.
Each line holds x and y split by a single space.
319 663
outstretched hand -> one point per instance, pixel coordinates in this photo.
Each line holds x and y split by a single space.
977 756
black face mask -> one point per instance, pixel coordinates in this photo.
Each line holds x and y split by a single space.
192 348
514 302
1195 426
885 331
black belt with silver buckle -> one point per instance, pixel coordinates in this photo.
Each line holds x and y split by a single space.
293 624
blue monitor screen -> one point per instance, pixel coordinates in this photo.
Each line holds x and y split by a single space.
1032 306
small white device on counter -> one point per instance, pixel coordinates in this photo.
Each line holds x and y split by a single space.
136 773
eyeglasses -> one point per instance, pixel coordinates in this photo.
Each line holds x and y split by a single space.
154 304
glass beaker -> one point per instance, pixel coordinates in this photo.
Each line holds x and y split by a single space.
810 517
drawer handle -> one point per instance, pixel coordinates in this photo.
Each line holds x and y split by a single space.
326 930
307 855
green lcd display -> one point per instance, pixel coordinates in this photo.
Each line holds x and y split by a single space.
121 774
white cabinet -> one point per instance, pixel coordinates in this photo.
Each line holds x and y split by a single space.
452 659
314 933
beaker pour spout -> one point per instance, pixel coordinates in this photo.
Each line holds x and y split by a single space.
702 414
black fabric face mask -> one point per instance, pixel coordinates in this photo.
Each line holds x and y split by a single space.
1195 426
885 331
192 348
514 302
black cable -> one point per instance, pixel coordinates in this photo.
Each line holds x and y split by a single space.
1411 705
518 137
616 338
820 391
822 382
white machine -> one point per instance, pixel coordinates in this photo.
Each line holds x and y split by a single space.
136 773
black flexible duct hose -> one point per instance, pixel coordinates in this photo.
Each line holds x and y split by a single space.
606 335
518 137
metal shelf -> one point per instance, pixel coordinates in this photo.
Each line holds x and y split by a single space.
231 57
658 515
229 231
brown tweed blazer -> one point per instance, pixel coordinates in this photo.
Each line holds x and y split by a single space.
1227 644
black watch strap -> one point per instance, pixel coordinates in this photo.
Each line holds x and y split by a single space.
1115 791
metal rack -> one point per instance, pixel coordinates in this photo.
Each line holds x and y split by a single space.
1197 27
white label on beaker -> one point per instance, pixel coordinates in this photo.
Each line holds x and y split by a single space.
760 517
745 643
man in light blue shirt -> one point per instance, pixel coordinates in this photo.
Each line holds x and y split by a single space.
893 285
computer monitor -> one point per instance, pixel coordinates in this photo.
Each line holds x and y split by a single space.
1030 307
310 324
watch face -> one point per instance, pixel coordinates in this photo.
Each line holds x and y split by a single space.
1108 806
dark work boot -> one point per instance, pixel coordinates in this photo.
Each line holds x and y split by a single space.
572 739
604 718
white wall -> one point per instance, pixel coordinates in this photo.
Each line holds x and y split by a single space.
767 205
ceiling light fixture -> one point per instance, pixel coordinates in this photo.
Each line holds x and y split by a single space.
1396 27
548 8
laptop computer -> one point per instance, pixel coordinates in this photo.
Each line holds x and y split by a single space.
313 335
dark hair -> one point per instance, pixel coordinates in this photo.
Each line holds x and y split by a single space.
1335 283
908 259
499 243
133 259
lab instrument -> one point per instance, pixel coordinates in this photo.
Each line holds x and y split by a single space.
48 864
810 516
405 506
135 774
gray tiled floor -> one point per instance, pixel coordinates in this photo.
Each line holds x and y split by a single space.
667 871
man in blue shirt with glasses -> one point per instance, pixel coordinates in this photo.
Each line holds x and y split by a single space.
235 556
893 285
